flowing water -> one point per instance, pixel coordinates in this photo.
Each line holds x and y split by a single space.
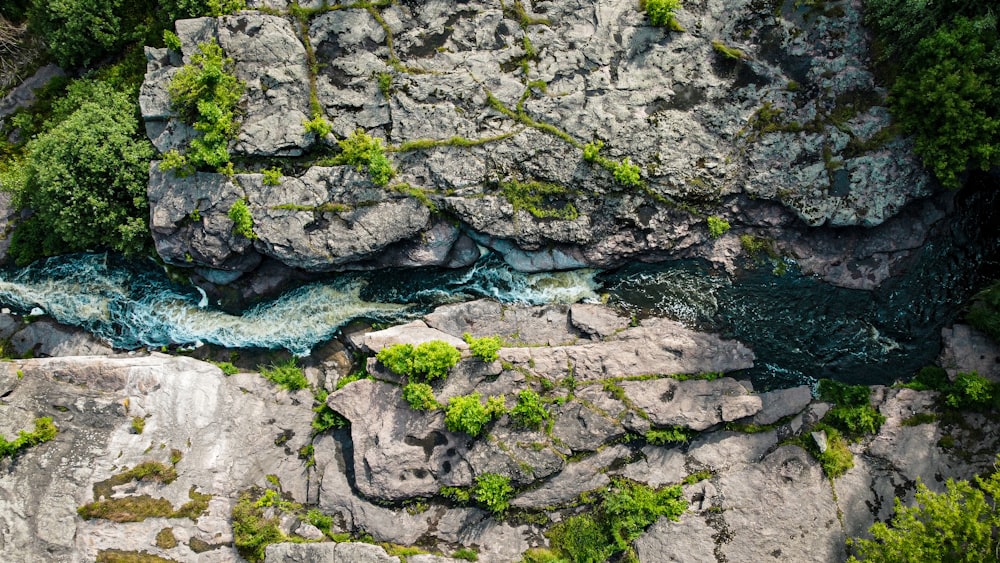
799 327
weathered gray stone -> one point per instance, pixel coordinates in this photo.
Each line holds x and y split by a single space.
330 552
45 337
582 429
689 540
724 450
696 403
780 403
575 478
966 349
657 346
416 332
596 320
659 466
781 508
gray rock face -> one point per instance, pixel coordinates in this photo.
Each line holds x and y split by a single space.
656 346
47 338
525 99
225 439
347 552
781 403
575 478
696 404
966 349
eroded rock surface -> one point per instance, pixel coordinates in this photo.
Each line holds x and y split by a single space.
792 135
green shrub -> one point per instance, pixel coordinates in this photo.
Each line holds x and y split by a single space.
326 418
716 226
252 533
627 173
420 396
227 368
171 40
661 13
542 199
433 359
623 513
384 83
80 32
486 349
85 178
397 358
44 431
493 491
529 411
272 176
177 163
837 459
322 521
465 554
428 360
961 524
852 413
286 375
366 153
205 93
318 126
467 413
970 391
920 418
929 378
591 151
948 97
239 214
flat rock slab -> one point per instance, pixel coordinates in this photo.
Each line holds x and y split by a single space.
780 403
966 349
575 478
697 404
689 540
657 346
416 332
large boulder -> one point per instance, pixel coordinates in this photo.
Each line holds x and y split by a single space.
696 403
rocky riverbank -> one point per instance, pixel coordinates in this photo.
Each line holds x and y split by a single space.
485 111
753 492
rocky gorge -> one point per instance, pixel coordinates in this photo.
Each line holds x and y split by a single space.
752 142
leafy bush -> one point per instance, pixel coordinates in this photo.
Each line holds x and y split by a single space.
252 533
624 512
272 176
318 126
171 40
239 214
628 173
467 413
853 413
80 32
929 378
529 411
397 358
420 396
85 178
970 391
591 150
44 431
493 491
183 9
205 92
366 152
433 359
948 98
960 524
326 418
837 459
661 13
286 375
486 348
716 226
428 360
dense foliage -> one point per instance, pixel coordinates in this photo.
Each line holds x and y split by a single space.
852 413
204 93
85 177
984 311
961 524
427 360
420 396
486 348
44 431
366 153
468 414
947 90
529 412
286 375
623 513
493 491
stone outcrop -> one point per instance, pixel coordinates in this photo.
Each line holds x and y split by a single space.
784 138
224 435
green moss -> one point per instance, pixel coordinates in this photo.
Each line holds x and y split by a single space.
666 436
529 412
728 52
697 476
661 13
272 176
121 556
138 424
540 199
420 396
428 360
165 539
44 431
920 418
486 348
465 554
127 509
467 414
227 368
